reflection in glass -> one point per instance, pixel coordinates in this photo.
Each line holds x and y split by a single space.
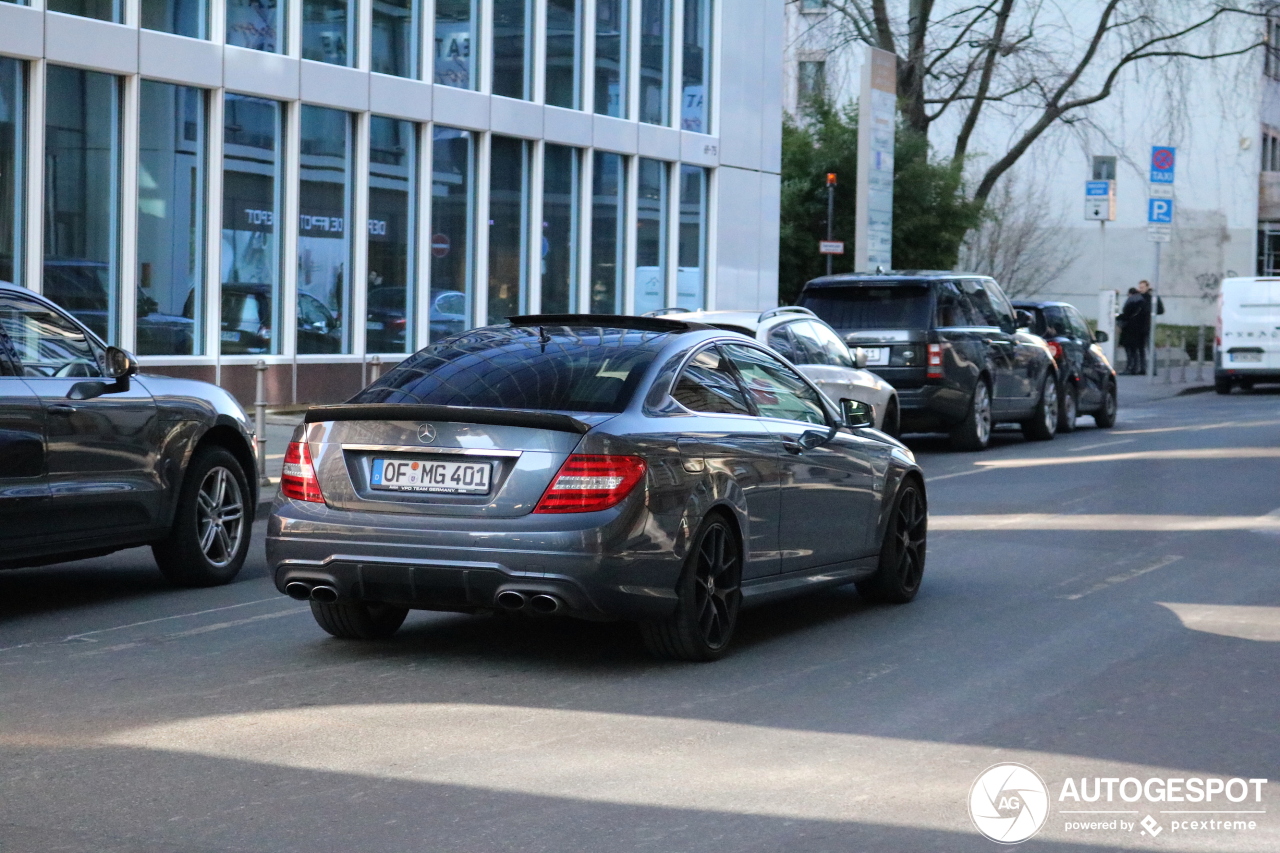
457 31
324 240
513 48
253 140
393 152
651 236
103 10
608 234
13 124
691 285
395 37
453 173
611 57
508 227
82 195
560 229
695 102
655 60
171 164
329 31
180 17
258 24
563 51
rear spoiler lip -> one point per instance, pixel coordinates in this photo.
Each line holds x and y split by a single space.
447 414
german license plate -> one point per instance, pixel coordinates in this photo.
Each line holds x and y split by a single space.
1246 356
231 336
426 475
876 356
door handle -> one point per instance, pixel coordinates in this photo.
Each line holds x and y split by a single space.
62 409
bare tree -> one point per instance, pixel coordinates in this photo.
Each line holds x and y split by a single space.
1015 244
1038 62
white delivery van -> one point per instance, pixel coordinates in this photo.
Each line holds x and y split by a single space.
1248 336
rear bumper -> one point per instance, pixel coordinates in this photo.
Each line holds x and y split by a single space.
598 565
1253 374
932 407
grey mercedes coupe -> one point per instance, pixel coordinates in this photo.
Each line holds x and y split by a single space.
601 467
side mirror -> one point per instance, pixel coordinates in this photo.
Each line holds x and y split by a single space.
1101 337
119 364
1024 319
858 415
813 438
859 357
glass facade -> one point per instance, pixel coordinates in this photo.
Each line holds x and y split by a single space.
395 37
564 51
695 101
655 60
171 233
612 19
453 179
181 17
393 234
82 196
324 241
508 227
103 10
253 149
560 191
513 48
457 36
13 166
651 236
691 288
257 24
608 232
329 31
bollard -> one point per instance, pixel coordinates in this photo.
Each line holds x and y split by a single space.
375 369
1199 353
1168 365
260 421
1182 359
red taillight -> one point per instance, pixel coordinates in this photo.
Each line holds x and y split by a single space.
591 483
298 479
935 361
1056 349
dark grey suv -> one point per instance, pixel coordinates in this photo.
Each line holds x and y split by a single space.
953 346
597 467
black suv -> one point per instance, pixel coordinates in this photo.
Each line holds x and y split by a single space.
950 343
1086 380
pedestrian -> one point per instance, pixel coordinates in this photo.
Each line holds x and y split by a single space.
1131 334
1148 320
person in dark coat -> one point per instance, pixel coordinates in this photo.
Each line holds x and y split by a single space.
1148 319
1133 333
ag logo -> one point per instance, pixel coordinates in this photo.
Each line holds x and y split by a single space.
1009 803
426 433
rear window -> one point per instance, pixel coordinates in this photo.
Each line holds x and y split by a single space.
870 307
567 369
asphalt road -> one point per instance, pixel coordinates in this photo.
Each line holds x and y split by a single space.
1103 605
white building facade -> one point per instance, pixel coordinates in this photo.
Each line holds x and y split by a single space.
313 183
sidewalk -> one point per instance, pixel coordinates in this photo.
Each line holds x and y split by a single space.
1136 390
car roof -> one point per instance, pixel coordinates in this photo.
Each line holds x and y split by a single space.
890 277
749 321
1039 303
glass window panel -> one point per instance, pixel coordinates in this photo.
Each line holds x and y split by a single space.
395 37
329 31
324 240
13 122
777 390
691 277
560 229
393 153
457 32
651 236
253 139
508 227
608 232
82 196
180 17
563 51
103 10
655 60
171 164
695 103
258 24
513 48
453 174
612 19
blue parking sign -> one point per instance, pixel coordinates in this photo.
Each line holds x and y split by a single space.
1160 211
1162 157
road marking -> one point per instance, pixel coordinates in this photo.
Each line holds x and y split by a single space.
1122 577
1140 455
1244 622
1116 522
1197 427
957 474
74 637
1102 444
292 611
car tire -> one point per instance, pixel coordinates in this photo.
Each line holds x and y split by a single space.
974 432
709 596
356 620
1222 386
1043 425
1105 416
892 418
902 552
1068 411
212 523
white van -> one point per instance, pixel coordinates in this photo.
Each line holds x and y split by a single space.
1248 344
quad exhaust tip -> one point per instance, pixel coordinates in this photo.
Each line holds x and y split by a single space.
509 599
298 590
324 594
543 603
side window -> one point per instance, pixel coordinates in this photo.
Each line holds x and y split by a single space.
837 352
46 343
953 307
1055 322
780 342
707 385
777 390
1003 307
984 305
809 349
1080 325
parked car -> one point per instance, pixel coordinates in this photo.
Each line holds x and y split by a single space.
1248 334
811 345
247 321
95 458
387 319
1086 380
598 467
949 343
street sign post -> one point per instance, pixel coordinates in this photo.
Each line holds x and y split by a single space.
1162 159
831 247
1159 228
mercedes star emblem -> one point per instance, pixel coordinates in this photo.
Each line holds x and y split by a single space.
426 433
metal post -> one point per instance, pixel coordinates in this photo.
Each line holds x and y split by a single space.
1155 304
1182 357
260 421
375 369
1199 353
831 213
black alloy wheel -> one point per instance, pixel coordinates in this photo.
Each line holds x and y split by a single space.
709 597
902 553
1043 425
1068 409
1105 417
212 522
